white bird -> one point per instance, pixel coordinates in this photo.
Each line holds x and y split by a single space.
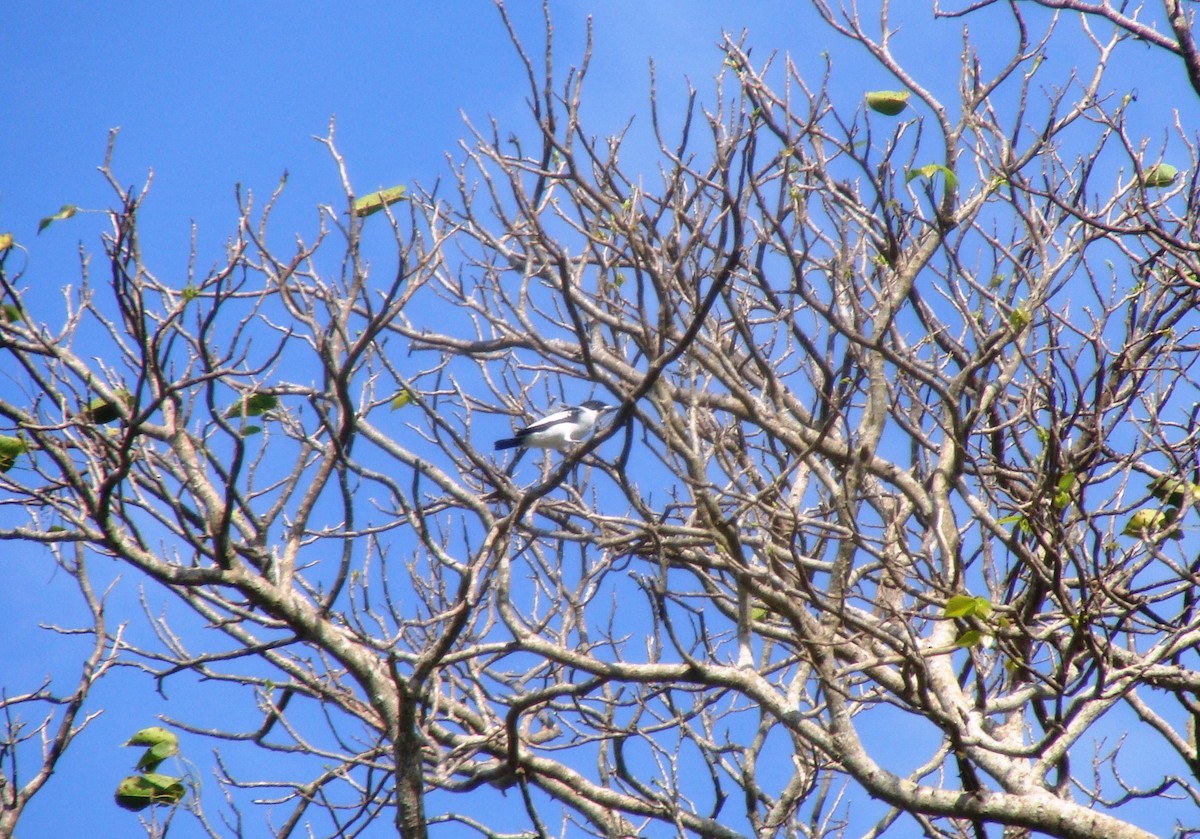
558 430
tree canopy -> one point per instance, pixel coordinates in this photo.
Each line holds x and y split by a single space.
892 531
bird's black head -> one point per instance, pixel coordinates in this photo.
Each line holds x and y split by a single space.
596 405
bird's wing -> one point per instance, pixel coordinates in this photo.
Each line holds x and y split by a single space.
546 422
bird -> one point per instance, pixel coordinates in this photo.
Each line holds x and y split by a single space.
558 430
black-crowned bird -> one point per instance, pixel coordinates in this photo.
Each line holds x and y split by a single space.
558 430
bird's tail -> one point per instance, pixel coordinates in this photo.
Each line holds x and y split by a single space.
509 443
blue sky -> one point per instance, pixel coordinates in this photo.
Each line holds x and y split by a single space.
232 93
218 94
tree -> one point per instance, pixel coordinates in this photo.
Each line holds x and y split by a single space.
904 444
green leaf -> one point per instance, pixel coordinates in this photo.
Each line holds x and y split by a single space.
964 605
1066 486
402 398
190 293
887 102
970 638
64 213
166 785
1174 491
11 313
759 613
1021 521
1150 523
253 405
137 792
6 241
976 638
155 755
928 171
1159 175
959 605
133 794
376 201
101 411
1018 319
153 736
10 449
